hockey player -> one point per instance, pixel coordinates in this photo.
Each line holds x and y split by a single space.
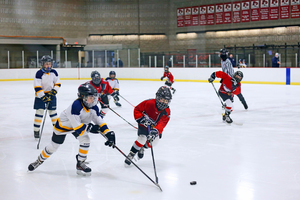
76 119
170 79
228 69
103 89
114 84
46 86
230 86
152 117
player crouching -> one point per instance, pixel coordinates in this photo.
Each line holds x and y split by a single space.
229 88
152 117
76 119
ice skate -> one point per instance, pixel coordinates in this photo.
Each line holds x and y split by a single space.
118 104
36 134
141 153
35 164
226 118
173 90
130 156
82 168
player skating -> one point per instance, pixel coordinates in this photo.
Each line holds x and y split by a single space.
76 119
46 86
103 89
114 84
170 79
228 69
230 86
153 114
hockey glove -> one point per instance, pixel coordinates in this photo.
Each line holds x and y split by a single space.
115 96
111 139
145 121
52 92
93 128
212 77
162 78
234 81
45 98
152 135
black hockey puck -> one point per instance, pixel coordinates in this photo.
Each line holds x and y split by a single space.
193 182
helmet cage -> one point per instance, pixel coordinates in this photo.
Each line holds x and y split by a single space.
96 78
90 105
162 103
44 60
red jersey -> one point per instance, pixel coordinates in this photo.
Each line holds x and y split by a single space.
169 76
161 118
103 87
227 85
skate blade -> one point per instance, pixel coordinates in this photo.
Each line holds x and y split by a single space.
82 173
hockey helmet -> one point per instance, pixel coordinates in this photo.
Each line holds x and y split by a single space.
224 54
166 68
45 59
96 77
112 73
87 90
238 76
163 98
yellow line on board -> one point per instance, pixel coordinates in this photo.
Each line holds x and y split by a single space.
181 80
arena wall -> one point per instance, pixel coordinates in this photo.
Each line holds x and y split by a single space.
282 76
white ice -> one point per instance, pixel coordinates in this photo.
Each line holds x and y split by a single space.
259 160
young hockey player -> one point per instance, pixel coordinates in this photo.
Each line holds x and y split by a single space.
170 79
103 89
152 117
76 119
230 86
46 86
114 84
228 69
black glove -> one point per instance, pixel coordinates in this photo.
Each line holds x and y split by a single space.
52 92
234 81
162 78
111 139
93 128
46 98
212 77
145 121
115 96
152 135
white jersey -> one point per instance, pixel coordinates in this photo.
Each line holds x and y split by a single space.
114 83
45 82
76 118
227 67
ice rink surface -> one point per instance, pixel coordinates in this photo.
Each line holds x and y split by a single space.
259 160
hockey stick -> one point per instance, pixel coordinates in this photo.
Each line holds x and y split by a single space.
41 131
114 146
223 104
117 114
126 100
153 158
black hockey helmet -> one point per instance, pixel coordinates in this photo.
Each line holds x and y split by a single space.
236 74
163 97
96 77
45 59
224 54
84 91
112 73
166 68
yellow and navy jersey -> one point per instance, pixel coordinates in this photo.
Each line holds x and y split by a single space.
76 118
114 83
45 82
